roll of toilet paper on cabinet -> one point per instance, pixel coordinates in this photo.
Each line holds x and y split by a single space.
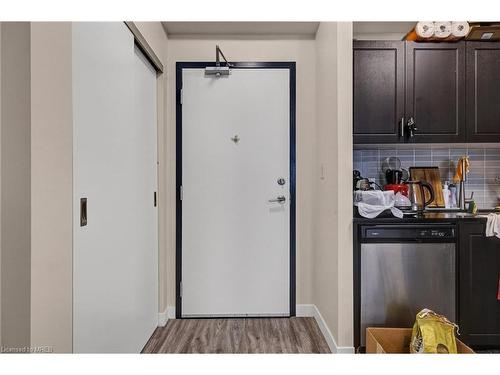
460 29
442 30
424 29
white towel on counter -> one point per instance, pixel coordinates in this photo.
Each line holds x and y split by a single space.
370 211
372 203
493 225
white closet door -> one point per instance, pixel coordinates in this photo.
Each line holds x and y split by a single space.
115 256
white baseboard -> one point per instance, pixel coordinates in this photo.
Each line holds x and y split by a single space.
163 317
313 312
306 311
171 312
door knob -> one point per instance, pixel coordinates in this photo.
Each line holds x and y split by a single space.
279 199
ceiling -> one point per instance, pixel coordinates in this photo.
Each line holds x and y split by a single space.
241 28
379 29
382 27
305 29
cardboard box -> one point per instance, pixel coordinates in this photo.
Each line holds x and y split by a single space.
397 340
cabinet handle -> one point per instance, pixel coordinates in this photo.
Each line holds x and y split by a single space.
412 127
498 293
402 127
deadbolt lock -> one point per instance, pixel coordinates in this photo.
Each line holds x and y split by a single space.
281 181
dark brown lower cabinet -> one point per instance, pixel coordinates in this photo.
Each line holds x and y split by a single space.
479 273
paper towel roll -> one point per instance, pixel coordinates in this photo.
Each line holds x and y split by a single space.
442 29
460 29
424 29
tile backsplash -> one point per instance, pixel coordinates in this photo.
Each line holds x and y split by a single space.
483 179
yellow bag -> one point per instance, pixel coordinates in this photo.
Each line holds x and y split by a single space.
433 333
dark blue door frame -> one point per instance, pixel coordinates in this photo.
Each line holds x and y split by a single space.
178 114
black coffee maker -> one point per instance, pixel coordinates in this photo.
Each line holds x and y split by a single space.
394 176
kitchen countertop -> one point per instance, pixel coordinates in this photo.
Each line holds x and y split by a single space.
429 216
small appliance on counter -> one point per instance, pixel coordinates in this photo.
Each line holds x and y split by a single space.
361 183
397 188
417 195
395 176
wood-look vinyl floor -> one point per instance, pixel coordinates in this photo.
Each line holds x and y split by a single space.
238 335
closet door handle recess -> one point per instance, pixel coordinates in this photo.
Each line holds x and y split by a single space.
83 212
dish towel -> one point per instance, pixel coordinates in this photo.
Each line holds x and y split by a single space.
493 225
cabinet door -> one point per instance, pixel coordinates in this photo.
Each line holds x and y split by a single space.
435 91
483 96
378 103
479 309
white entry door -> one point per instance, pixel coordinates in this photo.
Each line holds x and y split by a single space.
236 193
115 253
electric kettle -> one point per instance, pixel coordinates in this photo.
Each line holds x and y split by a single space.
416 194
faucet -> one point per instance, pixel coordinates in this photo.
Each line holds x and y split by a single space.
461 197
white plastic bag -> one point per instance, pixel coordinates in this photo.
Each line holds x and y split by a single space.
372 203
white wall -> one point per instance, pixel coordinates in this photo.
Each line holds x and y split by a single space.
51 186
324 138
343 170
303 52
15 180
333 206
0 184
326 231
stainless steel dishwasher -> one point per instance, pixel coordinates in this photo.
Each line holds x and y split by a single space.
405 268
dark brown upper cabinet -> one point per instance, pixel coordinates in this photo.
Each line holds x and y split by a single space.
409 92
435 91
378 102
483 93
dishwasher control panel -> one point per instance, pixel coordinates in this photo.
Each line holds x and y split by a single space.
436 233
407 232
